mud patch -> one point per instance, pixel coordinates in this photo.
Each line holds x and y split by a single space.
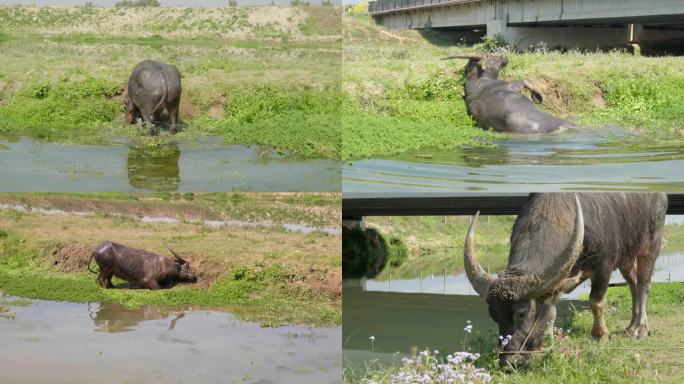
217 107
188 109
207 270
69 257
323 282
557 95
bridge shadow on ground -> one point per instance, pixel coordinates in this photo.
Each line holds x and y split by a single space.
448 37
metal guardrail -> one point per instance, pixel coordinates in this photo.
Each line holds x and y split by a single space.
380 7
355 206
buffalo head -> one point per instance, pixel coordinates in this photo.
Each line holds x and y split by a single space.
131 115
483 65
523 304
185 273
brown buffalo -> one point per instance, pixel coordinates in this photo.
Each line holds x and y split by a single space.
139 267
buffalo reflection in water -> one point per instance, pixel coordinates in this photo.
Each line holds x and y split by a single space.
154 168
118 318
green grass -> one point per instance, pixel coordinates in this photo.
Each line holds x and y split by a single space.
575 358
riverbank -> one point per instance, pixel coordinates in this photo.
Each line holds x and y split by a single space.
435 244
270 258
250 75
575 358
403 96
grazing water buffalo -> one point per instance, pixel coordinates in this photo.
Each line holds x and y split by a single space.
560 240
153 87
500 105
139 267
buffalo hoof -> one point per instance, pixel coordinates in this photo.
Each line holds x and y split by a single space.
600 334
639 332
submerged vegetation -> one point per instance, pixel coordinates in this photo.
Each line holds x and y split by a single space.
403 96
251 75
261 273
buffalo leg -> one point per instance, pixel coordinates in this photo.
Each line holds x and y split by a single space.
630 275
173 115
105 279
151 284
597 300
644 269
520 85
147 115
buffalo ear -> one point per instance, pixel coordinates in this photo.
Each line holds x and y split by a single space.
536 97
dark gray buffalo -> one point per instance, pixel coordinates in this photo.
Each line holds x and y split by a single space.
139 267
558 241
500 105
153 87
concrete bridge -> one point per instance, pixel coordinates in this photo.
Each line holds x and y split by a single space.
355 206
567 23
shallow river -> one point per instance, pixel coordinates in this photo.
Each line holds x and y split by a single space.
556 162
431 312
91 343
36 166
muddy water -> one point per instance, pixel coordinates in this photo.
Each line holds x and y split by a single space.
86 343
416 313
563 161
30 165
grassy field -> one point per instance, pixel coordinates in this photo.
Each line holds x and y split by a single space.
402 96
436 243
575 358
251 75
262 273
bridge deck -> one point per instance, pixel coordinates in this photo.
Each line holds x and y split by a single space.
359 205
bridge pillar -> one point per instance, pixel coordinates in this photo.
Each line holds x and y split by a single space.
354 223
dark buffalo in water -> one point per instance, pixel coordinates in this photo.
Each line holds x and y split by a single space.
558 241
152 88
139 267
500 105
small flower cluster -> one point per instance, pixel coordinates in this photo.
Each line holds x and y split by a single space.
429 368
469 327
505 340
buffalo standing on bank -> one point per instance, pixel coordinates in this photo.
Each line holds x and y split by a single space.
560 240
500 105
139 267
152 88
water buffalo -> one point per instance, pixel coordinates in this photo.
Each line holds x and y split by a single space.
500 105
558 241
153 87
139 267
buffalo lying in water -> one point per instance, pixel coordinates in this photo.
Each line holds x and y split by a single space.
500 105
139 267
153 87
558 241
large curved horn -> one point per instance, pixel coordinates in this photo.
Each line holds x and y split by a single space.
176 255
471 57
563 263
478 277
